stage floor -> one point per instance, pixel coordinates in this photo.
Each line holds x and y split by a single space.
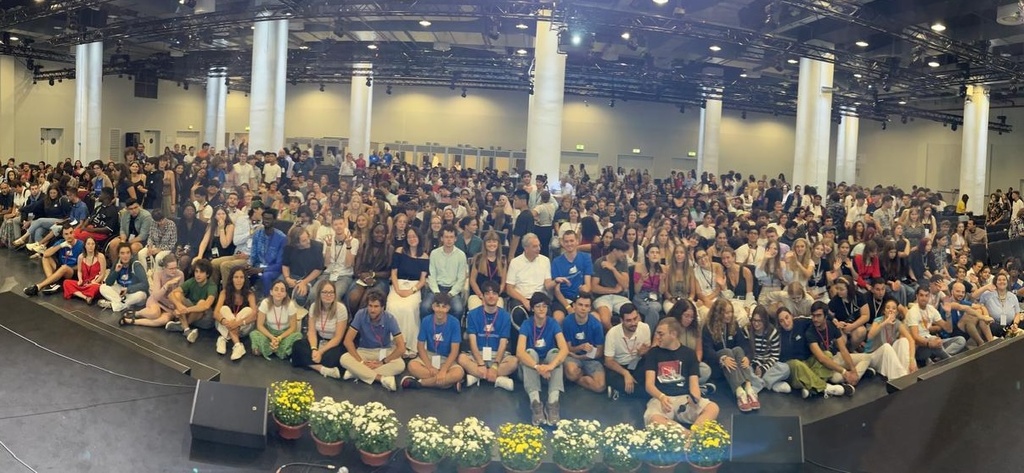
59 416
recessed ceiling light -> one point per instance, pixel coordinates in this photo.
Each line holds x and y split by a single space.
521 26
625 35
938 27
14 38
743 74
303 47
371 46
660 2
521 52
716 48
792 61
902 102
856 104
858 75
862 44
425 23
933 63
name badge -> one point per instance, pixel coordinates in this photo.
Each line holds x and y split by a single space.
580 336
539 343
592 354
382 354
438 337
488 354
489 328
436 361
333 278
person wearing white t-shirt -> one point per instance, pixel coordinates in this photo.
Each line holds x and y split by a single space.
277 329
528 274
340 254
271 171
244 173
925 323
320 350
624 349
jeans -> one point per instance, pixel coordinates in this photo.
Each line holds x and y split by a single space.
457 308
306 300
650 310
37 229
617 382
739 376
778 372
532 379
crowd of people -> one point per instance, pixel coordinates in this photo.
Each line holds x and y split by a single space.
626 284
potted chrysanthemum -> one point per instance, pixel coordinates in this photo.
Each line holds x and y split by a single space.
666 446
375 430
707 446
622 446
429 443
472 445
521 447
330 422
574 444
289 405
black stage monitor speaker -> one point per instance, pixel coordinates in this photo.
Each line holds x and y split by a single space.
766 444
229 414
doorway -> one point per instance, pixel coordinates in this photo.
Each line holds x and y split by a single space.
50 142
151 139
187 139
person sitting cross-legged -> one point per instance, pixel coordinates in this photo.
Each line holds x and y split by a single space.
59 263
626 345
193 302
585 336
378 356
488 334
321 350
277 328
830 359
235 314
126 285
437 350
159 306
541 350
672 379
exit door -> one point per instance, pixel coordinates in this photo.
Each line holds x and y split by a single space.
151 138
50 144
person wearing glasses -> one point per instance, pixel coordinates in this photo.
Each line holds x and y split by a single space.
321 349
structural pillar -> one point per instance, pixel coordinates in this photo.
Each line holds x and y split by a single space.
88 101
813 124
267 94
974 151
7 98
360 108
846 149
708 144
214 129
544 123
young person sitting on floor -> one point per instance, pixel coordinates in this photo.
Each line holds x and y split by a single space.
626 344
488 331
277 328
92 267
437 349
830 359
585 336
541 350
378 357
235 314
126 285
60 262
672 379
159 307
193 302
327 321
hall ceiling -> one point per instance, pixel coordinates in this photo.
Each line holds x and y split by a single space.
681 52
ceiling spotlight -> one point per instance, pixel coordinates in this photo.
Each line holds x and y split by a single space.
425 23
611 103
682 108
743 75
463 92
862 44
625 35
388 90
51 81
716 48
531 88
372 46
185 85
14 38
963 91
369 81
521 52
902 102
856 104
576 39
660 2
954 126
933 63
858 75
884 125
522 26
303 47
743 115
938 27
792 61
321 87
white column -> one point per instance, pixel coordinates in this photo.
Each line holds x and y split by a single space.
846 149
7 98
708 144
360 108
88 101
544 123
216 103
813 124
267 94
974 153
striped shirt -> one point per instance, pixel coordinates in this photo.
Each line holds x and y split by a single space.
767 348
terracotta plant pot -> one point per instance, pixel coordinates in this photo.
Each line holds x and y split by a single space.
473 469
375 459
567 470
704 469
418 466
513 470
328 449
661 468
290 432
629 470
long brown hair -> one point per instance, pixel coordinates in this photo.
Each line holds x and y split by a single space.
480 259
716 320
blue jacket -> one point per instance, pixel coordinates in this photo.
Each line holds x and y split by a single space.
268 250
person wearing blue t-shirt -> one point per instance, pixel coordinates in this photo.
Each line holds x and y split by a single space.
541 350
381 345
437 350
488 328
59 263
585 336
387 159
570 272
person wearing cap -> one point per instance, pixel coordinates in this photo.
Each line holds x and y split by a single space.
585 336
437 350
541 349
612 273
488 330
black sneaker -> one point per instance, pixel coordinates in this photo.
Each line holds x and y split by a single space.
708 389
410 382
870 372
848 389
32 291
51 289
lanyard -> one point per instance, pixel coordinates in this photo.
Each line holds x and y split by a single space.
489 326
278 312
630 347
536 334
336 251
491 273
825 338
436 333
378 335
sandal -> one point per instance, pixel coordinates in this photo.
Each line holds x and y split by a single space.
127 319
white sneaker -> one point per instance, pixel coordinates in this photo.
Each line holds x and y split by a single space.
237 351
804 393
472 380
192 335
782 387
103 303
173 326
348 376
222 345
834 390
504 382
389 383
330 372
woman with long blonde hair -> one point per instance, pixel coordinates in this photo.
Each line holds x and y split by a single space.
799 263
723 338
678 282
488 265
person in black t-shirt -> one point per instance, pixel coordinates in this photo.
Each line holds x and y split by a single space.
672 378
830 359
847 310
524 222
